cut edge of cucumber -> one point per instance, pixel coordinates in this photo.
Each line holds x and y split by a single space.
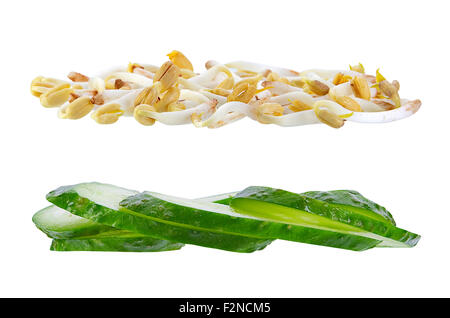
51 218
104 194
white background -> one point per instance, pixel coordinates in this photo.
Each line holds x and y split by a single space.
401 165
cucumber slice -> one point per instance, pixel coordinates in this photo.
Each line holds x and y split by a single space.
200 215
349 199
60 224
115 244
100 203
73 233
354 201
280 205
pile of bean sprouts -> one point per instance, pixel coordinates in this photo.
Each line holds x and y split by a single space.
225 93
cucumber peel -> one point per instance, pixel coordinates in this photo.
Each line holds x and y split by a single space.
354 201
115 244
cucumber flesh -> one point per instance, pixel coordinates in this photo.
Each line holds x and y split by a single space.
100 203
60 224
73 233
276 204
115 244
201 215
224 198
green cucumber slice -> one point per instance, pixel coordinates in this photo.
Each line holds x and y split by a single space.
280 205
354 201
115 244
100 203
73 233
201 215
60 224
